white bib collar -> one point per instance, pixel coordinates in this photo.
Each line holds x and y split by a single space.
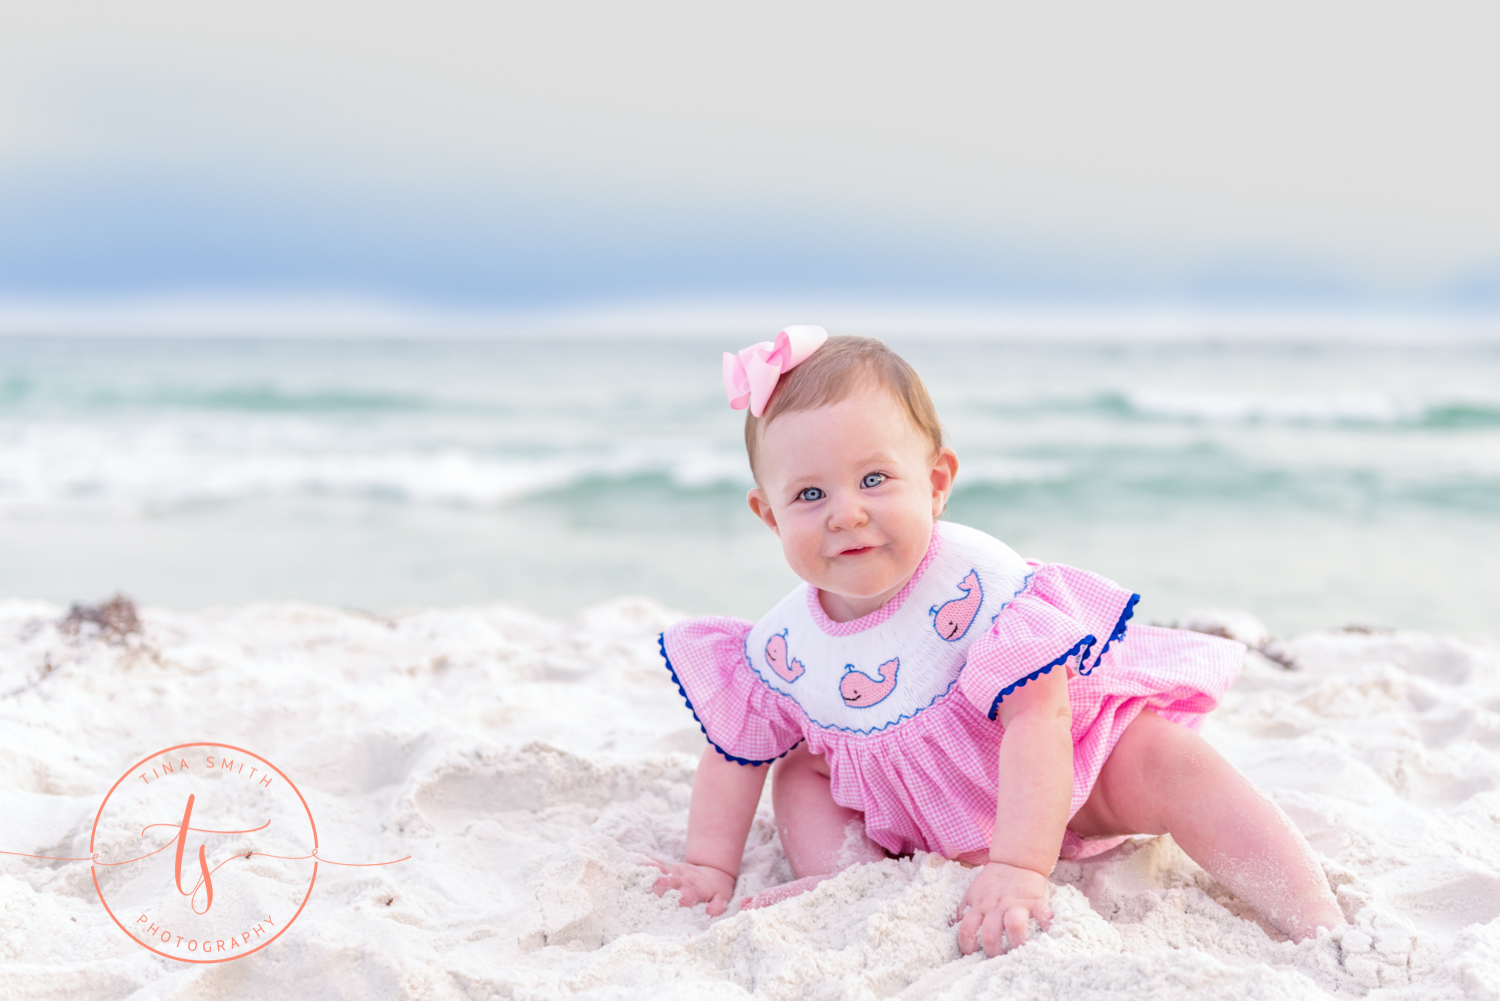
864 676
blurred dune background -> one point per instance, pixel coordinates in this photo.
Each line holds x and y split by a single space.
385 306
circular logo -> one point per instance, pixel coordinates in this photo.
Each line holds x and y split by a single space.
204 852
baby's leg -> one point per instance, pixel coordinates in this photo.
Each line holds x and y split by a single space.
820 837
1162 778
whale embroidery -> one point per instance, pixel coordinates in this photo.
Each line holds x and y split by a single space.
860 690
952 619
786 669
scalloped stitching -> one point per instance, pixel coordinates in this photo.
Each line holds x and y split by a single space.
1084 645
661 641
952 685
1118 634
1025 583
745 652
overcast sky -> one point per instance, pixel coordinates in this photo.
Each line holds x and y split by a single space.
510 154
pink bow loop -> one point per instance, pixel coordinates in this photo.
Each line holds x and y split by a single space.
751 375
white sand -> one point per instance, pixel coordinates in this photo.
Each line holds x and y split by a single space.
531 767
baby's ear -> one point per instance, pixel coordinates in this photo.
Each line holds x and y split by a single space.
944 472
762 508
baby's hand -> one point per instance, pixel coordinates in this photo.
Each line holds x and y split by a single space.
1001 898
698 884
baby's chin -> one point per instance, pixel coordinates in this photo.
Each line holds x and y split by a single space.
864 591
862 582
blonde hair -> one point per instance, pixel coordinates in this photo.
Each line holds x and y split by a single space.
833 373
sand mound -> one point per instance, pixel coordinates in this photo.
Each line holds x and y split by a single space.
530 768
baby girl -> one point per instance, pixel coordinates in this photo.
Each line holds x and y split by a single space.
927 689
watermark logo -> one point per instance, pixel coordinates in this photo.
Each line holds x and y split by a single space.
204 852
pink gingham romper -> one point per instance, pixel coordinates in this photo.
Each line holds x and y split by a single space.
904 709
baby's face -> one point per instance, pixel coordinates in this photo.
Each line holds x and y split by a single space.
852 490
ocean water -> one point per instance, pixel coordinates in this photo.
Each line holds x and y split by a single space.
1316 485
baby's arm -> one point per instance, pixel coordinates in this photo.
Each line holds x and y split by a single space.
1035 787
725 795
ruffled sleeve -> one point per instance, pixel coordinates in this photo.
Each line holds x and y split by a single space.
745 720
1064 617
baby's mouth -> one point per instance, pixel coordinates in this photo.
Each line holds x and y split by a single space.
858 550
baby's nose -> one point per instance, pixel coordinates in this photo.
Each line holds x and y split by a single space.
847 511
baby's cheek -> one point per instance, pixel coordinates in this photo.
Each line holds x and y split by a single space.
800 552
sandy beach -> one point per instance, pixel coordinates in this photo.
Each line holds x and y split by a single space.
527 769
369 388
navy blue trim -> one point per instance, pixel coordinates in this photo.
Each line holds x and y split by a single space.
661 641
1118 634
760 676
1084 645
1025 583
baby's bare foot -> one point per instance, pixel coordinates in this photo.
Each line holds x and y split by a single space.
776 894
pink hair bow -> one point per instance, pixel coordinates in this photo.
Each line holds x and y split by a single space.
750 376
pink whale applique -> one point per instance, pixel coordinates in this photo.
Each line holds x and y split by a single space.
860 690
786 669
953 618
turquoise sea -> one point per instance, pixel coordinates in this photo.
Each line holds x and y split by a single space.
1315 484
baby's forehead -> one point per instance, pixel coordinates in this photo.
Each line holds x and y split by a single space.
884 395
868 422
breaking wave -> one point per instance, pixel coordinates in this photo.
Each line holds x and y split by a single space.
1330 409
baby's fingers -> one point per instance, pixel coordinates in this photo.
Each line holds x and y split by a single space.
968 930
1017 920
1043 914
990 932
666 881
673 883
670 880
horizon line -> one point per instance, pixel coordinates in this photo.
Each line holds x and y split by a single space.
701 317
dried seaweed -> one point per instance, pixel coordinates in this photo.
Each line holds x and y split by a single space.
115 619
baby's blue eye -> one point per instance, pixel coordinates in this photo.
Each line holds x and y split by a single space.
872 480
811 494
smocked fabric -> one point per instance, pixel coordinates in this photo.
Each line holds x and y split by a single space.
927 780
